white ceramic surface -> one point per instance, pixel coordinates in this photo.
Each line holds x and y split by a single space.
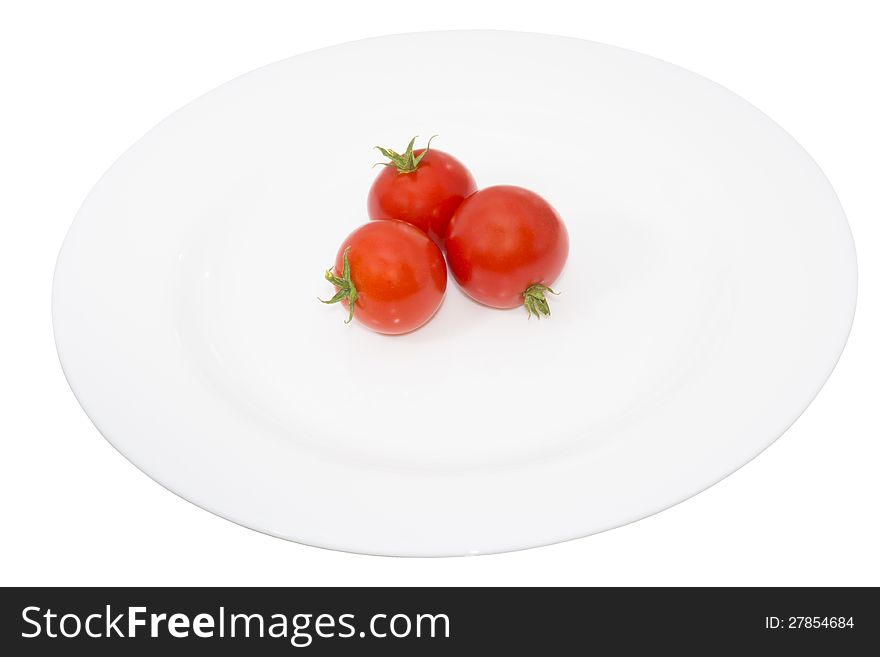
709 292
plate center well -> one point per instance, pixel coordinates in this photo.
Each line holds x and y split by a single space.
476 387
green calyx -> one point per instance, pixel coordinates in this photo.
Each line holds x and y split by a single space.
344 287
406 163
535 301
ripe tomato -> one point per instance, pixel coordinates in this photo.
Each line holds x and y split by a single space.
506 246
390 276
422 187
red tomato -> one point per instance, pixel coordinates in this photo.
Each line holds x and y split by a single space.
506 246
389 276
422 187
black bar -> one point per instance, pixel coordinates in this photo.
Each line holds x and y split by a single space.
496 621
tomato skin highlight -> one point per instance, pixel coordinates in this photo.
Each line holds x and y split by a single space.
502 240
427 197
399 274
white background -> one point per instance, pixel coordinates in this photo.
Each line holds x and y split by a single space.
80 82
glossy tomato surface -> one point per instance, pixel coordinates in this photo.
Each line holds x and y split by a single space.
399 275
501 241
426 197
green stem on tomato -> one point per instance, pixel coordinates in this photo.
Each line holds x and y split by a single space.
535 301
344 286
406 163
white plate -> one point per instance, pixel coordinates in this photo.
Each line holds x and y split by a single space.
709 292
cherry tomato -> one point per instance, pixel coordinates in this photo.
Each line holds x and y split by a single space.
422 187
505 246
389 276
